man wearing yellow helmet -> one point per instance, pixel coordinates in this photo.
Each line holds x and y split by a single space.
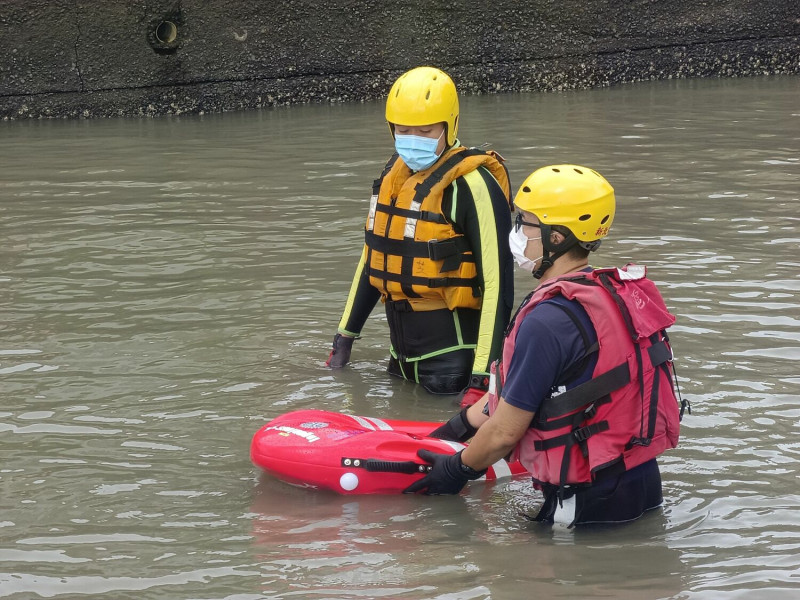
583 395
435 247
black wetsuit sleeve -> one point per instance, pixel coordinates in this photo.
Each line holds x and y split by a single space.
480 209
360 301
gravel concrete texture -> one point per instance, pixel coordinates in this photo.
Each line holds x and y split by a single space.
76 59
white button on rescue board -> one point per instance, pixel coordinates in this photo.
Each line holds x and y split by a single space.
349 481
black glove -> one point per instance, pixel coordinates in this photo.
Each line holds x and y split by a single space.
448 475
340 353
456 429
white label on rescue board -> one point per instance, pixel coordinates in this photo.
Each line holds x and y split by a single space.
306 435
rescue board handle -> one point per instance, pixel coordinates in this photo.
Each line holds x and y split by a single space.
375 465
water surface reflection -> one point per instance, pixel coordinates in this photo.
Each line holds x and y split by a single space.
170 284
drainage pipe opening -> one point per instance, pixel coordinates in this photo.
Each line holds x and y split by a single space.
166 32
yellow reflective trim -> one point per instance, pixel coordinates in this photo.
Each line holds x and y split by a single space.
457 325
351 296
416 359
490 259
440 352
454 202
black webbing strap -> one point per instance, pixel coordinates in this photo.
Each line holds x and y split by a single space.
642 439
433 249
423 188
576 436
588 348
588 412
685 405
654 399
659 352
452 252
548 509
579 366
421 215
580 396
396 247
406 271
376 465
431 282
376 185
579 435
659 355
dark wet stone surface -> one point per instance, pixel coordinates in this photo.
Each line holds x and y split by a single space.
80 60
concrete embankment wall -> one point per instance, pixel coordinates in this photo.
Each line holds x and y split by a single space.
73 58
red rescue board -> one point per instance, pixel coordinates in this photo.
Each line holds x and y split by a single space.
350 454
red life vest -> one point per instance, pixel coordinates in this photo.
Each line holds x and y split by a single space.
628 412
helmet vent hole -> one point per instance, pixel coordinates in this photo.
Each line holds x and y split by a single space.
526 189
584 217
428 95
578 171
603 222
557 170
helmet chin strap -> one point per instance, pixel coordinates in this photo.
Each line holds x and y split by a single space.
550 251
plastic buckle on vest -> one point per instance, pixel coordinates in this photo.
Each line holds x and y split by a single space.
590 411
640 441
447 252
434 283
440 249
432 249
403 306
582 434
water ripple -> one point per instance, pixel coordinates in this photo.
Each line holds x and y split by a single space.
170 284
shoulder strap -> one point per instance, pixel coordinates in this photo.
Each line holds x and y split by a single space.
376 185
424 188
578 367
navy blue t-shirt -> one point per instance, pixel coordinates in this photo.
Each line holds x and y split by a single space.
548 347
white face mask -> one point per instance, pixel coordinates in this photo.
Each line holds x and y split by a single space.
518 242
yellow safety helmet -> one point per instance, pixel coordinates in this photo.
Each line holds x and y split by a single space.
572 196
424 96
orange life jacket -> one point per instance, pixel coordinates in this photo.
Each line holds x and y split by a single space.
414 252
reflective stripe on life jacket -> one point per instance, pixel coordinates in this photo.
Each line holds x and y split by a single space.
628 413
414 252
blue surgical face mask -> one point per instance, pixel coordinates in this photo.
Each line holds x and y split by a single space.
417 152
